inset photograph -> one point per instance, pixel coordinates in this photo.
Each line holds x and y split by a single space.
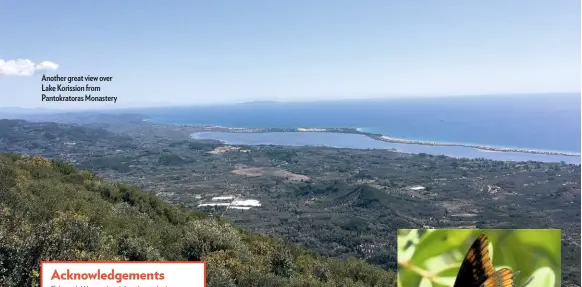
479 257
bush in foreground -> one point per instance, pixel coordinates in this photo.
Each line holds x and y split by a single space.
51 210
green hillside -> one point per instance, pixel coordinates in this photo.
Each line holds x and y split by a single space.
51 210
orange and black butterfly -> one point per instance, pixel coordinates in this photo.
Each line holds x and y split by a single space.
477 269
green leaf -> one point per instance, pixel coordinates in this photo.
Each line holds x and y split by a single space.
527 250
425 283
449 271
408 278
438 242
444 281
407 244
545 239
544 277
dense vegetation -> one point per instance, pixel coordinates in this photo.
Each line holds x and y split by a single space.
432 257
53 211
337 202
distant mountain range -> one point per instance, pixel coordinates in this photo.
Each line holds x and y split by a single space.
259 102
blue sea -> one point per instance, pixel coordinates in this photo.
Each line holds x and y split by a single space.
540 122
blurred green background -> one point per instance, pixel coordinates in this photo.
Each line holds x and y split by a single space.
432 257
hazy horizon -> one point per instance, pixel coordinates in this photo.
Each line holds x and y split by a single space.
81 108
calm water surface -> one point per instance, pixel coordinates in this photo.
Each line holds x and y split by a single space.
340 140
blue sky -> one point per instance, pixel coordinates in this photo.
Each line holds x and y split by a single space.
198 52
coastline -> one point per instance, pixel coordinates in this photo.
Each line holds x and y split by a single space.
475 146
359 131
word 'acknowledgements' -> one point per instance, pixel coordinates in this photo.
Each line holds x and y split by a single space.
87 98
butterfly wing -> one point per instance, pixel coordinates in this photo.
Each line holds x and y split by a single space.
477 267
502 278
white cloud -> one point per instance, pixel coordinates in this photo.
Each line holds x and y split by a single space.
25 67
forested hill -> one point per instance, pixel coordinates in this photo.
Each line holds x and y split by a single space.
53 211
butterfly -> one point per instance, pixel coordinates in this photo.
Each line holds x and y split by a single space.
477 268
